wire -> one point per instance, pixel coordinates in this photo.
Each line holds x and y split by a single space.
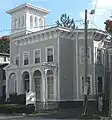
96 26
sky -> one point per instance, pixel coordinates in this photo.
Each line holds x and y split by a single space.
74 8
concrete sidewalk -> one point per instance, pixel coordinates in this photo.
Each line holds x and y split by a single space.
61 114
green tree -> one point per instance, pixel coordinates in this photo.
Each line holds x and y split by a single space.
66 21
108 27
5 44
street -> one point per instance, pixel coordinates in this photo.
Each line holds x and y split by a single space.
9 117
3 117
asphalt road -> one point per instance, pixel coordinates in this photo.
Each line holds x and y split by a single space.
2 117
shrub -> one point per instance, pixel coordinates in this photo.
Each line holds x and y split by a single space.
16 108
12 108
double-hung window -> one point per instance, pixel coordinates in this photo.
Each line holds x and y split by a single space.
26 58
50 54
82 55
37 56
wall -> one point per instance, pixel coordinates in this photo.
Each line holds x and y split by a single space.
81 66
38 45
66 69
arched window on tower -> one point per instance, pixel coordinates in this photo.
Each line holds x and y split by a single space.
40 22
36 22
22 21
16 23
19 22
31 21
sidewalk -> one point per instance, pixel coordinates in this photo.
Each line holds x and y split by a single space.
61 114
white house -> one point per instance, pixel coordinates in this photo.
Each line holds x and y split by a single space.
48 61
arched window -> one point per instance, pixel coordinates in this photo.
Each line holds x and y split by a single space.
36 21
16 23
19 22
31 21
26 81
12 84
40 22
37 81
22 21
50 85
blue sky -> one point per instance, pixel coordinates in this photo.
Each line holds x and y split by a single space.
75 8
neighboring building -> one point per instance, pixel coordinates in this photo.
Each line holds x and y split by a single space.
4 61
49 61
4 58
103 72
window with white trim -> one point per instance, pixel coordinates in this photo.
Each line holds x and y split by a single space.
37 56
89 82
50 55
82 55
99 56
26 58
50 85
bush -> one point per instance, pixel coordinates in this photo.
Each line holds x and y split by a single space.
17 99
15 108
12 108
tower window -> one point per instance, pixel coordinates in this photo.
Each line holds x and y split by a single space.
40 22
16 23
36 21
31 21
22 21
19 23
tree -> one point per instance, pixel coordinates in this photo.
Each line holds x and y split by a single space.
5 44
108 26
66 21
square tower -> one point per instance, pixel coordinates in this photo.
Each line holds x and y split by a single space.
27 18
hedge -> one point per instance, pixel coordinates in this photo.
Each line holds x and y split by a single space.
13 108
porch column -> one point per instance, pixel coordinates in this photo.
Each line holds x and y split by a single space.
7 86
55 84
19 82
31 81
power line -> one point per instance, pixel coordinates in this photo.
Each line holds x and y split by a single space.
96 25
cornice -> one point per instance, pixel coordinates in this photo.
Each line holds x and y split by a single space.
30 39
52 33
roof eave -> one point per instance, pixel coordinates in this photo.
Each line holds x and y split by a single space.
45 11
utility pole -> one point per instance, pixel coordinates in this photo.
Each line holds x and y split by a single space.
86 85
